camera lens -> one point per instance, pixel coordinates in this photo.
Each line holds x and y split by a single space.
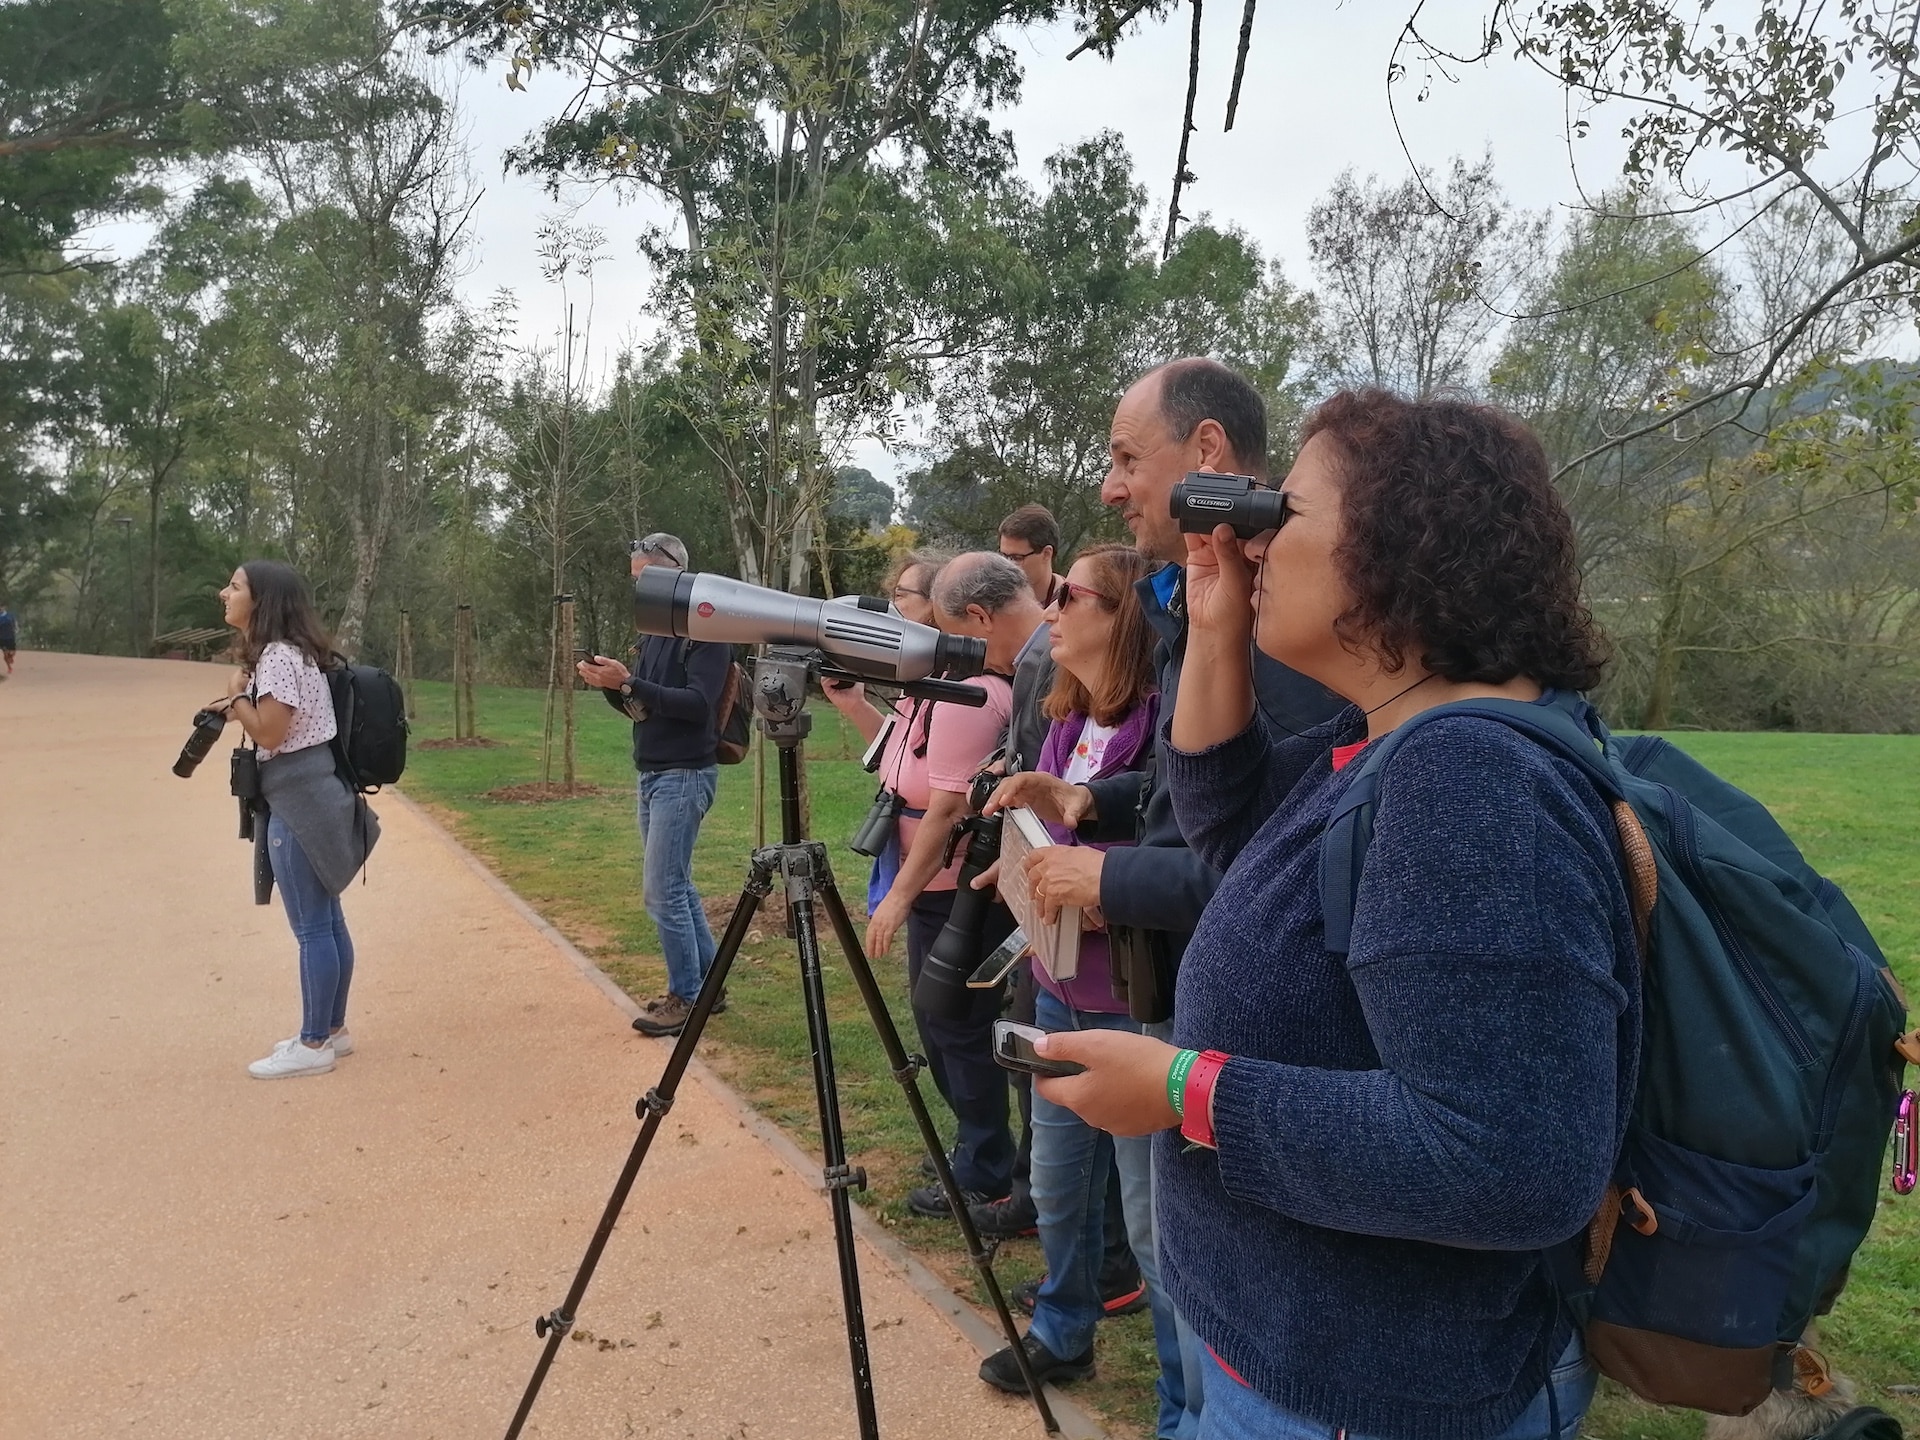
956 952
207 725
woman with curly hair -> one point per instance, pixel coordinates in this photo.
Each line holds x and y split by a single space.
1361 1157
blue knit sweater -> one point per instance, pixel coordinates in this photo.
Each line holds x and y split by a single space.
1402 1128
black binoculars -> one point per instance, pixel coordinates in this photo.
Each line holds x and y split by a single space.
1202 501
876 831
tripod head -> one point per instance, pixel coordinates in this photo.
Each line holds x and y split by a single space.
782 675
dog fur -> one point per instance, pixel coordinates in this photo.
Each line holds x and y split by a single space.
1787 1414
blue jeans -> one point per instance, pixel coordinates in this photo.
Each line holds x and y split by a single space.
671 805
320 929
1070 1166
1234 1412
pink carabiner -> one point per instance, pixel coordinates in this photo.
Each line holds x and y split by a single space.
1906 1144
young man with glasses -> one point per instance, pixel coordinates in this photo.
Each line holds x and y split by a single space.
1030 537
672 696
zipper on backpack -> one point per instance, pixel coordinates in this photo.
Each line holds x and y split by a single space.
1866 977
1762 989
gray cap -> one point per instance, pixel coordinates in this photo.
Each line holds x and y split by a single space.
662 546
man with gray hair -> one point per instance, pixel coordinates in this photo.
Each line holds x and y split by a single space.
974 594
672 696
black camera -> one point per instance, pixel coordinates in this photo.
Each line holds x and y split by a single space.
207 727
1144 966
956 951
877 830
1202 501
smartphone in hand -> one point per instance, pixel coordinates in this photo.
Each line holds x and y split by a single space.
1013 1049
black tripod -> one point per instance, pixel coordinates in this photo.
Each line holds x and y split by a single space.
780 691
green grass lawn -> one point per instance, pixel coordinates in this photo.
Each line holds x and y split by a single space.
1852 801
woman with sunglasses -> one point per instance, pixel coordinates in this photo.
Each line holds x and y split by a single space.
1361 1157
1103 710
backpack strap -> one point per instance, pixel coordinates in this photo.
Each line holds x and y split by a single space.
1565 725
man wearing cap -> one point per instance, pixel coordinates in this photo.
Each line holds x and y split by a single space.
672 695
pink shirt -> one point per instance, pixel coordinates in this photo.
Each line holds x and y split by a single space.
958 739
285 673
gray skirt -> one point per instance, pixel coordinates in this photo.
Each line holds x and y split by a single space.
336 828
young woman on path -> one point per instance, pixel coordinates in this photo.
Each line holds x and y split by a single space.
318 832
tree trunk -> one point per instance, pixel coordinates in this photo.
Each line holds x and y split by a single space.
564 653
403 664
1666 663
466 725
153 559
367 547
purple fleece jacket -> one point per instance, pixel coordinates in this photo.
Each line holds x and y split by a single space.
1091 988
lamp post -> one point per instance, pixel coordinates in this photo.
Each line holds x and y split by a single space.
125 522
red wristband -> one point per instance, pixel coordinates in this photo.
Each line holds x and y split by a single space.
1196 1120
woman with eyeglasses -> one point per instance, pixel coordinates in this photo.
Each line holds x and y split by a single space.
1103 710
1362 1157
909 585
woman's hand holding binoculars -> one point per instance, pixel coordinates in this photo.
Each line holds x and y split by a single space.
1215 702
1220 591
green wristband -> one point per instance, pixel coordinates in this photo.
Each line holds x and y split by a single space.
1177 1081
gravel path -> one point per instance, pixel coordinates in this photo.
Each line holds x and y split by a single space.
186 1251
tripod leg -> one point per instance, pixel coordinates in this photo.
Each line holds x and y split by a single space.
652 1109
905 1070
801 863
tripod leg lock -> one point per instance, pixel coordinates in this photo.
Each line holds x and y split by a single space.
915 1064
845 1177
653 1103
556 1322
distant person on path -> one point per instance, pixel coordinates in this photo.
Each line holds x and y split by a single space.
318 831
672 695
9 635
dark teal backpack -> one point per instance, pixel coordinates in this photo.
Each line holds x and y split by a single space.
1768 1070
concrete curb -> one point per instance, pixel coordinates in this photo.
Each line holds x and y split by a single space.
982 1334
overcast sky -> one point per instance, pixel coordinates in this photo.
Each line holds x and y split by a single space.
1314 103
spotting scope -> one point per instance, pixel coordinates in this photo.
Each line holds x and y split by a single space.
863 638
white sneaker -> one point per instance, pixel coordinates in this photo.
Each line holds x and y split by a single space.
292 1058
342 1043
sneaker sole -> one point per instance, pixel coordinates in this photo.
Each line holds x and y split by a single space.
658 1032
291 1074
1058 1375
1109 1309
1131 1304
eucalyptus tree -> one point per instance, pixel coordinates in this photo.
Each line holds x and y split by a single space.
1811 111
777 130
1415 276
1090 307
365 168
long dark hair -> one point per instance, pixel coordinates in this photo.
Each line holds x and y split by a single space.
283 609
1129 677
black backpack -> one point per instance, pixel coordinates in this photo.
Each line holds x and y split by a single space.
370 718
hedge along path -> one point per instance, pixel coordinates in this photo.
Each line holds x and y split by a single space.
190 1252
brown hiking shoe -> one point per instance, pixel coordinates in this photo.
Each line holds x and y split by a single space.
664 1018
667 1016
